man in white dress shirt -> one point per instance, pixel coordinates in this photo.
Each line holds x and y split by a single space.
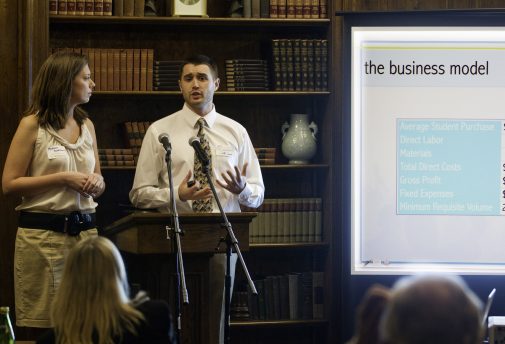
235 167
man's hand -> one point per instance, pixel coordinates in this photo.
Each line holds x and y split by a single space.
234 183
191 191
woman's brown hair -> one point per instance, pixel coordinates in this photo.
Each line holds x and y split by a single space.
52 89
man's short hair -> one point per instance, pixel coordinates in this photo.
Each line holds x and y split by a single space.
432 309
199 60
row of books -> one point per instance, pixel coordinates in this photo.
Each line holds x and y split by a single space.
166 75
266 155
247 75
300 64
117 157
134 133
119 69
289 9
127 8
292 296
287 220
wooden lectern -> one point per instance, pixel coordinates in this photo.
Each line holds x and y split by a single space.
150 258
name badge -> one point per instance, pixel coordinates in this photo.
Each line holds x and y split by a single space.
56 151
224 151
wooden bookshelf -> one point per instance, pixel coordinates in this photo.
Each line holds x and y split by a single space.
261 112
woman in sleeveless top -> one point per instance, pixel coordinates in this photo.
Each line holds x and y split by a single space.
53 165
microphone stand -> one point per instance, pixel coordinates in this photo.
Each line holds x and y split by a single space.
180 280
230 240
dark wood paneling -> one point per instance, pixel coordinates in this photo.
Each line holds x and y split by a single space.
9 117
23 47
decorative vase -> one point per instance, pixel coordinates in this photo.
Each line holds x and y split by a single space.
299 139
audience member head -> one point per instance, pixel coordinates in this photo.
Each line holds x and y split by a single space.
369 313
52 89
432 309
93 296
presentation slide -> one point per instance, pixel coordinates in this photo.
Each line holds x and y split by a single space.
428 149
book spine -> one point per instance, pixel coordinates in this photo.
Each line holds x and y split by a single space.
318 52
311 214
267 225
143 69
294 292
290 9
286 229
269 298
98 70
292 220
247 8
314 9
317 295
128 8
98 8
136 69
110 69
307 295
318 220
103 70
284 64
264 8
298 9
129 69
279 224
116 66
62 7
306 8
323 9
150 62
80 7
256 8
290 78
273 9
123 60
107 7
118 8
260 231
138 10
324 64
53 7
71 7
89 7
281 8
310 63
299 220
297 65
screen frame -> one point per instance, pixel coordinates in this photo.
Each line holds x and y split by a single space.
445 18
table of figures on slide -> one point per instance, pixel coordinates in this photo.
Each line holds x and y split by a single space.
450 167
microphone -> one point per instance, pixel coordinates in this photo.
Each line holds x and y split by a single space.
165 141
200 152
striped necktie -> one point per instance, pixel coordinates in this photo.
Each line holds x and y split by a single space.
202 205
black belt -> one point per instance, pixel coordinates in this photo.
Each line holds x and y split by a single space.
71 224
